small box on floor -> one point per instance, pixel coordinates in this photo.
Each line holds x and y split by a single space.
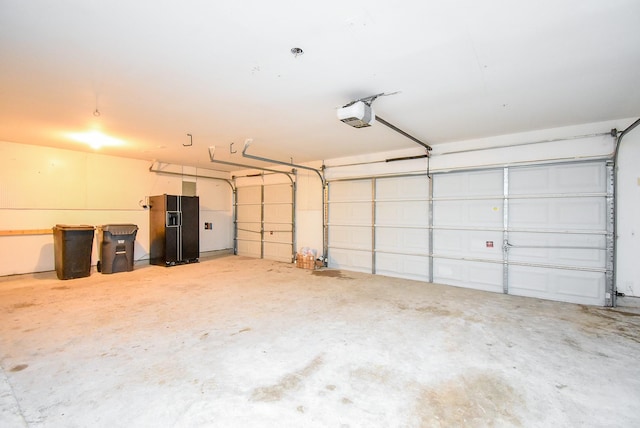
306 261
306 258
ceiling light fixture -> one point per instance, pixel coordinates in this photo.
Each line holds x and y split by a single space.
297 52
95 139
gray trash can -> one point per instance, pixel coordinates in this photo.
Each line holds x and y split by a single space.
115 245
72 250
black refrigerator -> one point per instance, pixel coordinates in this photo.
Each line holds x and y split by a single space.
173 229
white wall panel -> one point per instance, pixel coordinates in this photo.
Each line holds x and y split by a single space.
44 186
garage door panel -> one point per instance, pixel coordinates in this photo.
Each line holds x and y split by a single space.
353 260
468 274
464 243
350 237
402 213
278 233
278 213
403 266
563 285
250 248
558 213
468 184
580 250
277 193
408 241
350 191
358 213
246 214
281 252
471 213
567 179
402 188
249 195
251 232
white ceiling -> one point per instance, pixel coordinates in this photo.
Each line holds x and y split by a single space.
158 70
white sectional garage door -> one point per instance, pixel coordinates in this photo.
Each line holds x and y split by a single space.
264 225
539 231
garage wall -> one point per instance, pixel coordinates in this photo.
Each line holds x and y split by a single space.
628 273
41 187
309 210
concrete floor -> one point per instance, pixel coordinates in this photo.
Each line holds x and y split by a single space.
236 342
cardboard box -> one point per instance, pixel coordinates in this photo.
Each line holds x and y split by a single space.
306 261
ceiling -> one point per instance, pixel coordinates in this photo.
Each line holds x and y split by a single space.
150 72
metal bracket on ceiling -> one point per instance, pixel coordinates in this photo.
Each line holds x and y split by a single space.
190 141
231 149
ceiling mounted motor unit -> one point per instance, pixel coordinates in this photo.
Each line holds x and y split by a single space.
358 114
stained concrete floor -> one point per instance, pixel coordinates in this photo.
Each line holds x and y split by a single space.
236 342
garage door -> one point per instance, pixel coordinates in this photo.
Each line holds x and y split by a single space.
264 225
380 225
540 231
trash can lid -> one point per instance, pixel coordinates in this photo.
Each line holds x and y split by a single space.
73 227
119 229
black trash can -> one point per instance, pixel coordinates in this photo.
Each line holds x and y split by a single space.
72 250
115 244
